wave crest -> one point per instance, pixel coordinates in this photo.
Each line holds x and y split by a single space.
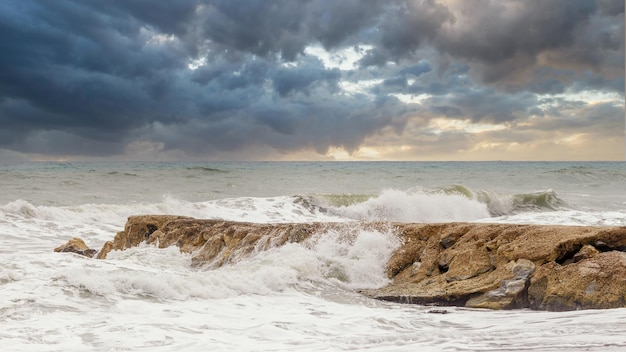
508 204
453 203
400 206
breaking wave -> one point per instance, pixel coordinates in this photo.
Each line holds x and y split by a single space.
399 206
453 203
508 204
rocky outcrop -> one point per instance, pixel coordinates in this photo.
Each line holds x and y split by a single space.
214 242
497 266
505 266
138 229
78 246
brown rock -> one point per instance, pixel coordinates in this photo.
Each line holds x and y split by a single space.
586 252
136 230
597 282
503 266
498 266
76 245
511 292
213 242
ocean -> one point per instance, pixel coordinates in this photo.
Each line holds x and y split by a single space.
298 297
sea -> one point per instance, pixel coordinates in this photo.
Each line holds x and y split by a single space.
298 297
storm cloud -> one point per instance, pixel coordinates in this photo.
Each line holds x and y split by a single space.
260 79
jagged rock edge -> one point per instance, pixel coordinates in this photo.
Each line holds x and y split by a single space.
456 264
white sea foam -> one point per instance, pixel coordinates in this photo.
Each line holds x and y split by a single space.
564 217
401 206
261 210
354 261
148 298
296 297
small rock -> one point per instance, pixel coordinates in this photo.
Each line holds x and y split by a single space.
586 252
78 246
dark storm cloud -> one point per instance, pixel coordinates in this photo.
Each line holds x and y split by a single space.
417 69
602 118
403 28
284 27
302 77
91 77
498 30
501 39
299 121
172 17
105 70
484 106
259 27
78 69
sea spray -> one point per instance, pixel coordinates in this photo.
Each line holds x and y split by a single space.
354 260
401 206
349 259
286 298
500 203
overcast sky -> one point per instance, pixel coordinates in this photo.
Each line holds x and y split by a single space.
312 80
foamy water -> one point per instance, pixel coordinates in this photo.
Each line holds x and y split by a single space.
295 297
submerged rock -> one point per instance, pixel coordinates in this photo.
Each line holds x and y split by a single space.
78 246
497 266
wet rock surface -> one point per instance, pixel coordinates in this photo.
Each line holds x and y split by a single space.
496 266
78 246
507 266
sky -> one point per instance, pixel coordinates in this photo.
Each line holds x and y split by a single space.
312 80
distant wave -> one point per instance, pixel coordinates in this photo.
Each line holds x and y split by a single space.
399 206
453 203
250 209
206 169
575 170
117 173
507 204
581 172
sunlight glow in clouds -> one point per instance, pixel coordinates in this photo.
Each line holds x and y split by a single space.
343 59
